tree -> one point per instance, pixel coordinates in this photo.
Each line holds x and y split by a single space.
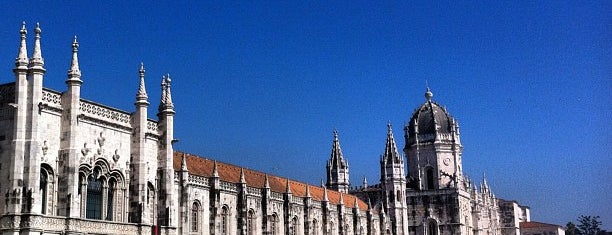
588 225
570 229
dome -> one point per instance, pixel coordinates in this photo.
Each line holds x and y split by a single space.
430 118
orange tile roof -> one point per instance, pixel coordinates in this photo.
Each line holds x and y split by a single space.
230 173
533 224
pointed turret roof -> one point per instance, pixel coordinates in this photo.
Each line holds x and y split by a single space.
337 159
74 74
141 96
391 154
37 61
21 61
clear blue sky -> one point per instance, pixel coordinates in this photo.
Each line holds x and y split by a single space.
264 85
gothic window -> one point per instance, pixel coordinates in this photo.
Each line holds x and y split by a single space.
332 228
273 224
251 222
361 231
112 185
94 197
195 209
315 227
430 178
224 220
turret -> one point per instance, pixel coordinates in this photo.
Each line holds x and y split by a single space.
394 184
69 147
14 189
166 206
337 168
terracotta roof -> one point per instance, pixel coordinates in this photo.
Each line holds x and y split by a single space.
201 166
533 224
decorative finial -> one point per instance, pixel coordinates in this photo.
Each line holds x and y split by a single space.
22 61
37 60
184 162
307 190
365 182
266 181
215 170
325 197
141 96
356 203
74 74
288 187
242 178
428 94
341 198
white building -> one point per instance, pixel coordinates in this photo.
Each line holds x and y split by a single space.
73 166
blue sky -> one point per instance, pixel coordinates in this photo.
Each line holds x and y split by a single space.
263 85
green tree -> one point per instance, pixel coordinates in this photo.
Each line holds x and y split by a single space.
588 225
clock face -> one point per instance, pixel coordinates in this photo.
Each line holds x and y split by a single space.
446 161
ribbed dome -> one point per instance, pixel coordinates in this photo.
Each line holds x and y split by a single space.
429 117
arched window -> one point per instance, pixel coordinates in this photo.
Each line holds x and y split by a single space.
195 209
94 197
430 178
273 224
224 220
112 185
315 227
361 231
43 190
432 227
332 228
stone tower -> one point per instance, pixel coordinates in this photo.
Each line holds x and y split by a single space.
337 168
393 180
433 147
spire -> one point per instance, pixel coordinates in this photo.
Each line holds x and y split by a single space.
37 61
215 170
141 96
322 184
391 154
307 190
74 74
266 181
365 182
369 204
288 187
184 163
341 202
22 58
242 178
356 203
